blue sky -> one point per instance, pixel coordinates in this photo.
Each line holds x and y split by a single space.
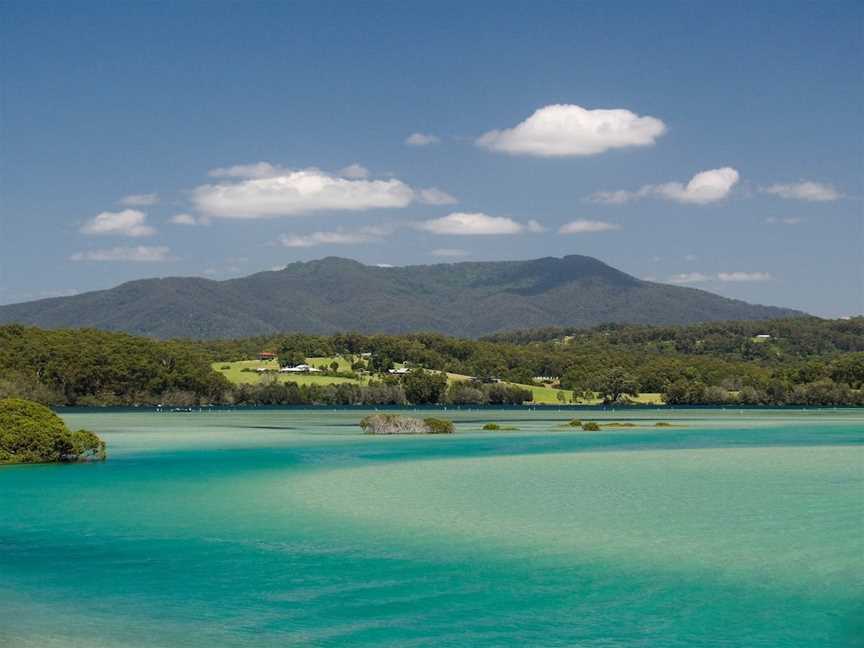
719 148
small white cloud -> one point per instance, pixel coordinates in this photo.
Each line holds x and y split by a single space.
435 196
292 193
384 265
337 237
141 253
129 222
421 139
472 224
689 277
773 220
140 200
449 252
804 190
256 170
535 226
690 257
583 226
184 219
569 130
355 172
703 188
699 277
744 276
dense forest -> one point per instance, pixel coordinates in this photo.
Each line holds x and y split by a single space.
801 361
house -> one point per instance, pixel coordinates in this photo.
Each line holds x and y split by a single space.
401 371
763 336
266 355
301 368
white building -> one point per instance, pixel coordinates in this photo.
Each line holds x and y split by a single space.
301 368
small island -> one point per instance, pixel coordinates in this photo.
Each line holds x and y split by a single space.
32 433
380 423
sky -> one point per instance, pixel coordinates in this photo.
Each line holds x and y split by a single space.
711 145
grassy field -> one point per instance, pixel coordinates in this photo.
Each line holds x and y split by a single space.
233 371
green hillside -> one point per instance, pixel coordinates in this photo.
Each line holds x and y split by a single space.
333 294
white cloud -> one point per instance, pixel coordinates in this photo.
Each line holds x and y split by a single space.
435 196
384 265
421 139
337 237
354 171
449 252
583 226
142 253
568 130
744 276
773 220
699 277
129 222
703 188
140 200
256 170
291 193
690 257
535 226
804 190
689 277
184 219
472 224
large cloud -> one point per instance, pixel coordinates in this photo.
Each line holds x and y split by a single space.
140 253
129 222
476 224
805 190
703 188
569 130
265 191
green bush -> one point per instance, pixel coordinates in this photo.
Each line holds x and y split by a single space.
491 426
575 423
662 424
439 426
88 446
32 433
590 426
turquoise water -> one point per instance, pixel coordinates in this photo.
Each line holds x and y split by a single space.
289 528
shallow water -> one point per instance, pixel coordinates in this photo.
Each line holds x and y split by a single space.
289 527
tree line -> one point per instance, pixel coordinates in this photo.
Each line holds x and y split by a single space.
804 361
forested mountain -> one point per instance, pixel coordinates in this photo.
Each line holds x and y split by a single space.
334 294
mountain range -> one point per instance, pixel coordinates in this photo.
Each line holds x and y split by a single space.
469 299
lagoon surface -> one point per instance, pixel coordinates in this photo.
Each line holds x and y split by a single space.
291 528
